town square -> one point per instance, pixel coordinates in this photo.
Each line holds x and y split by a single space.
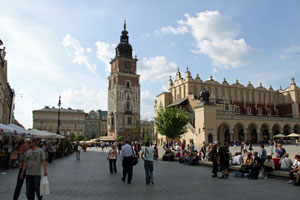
149 99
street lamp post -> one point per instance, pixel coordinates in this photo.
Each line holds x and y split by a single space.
58 119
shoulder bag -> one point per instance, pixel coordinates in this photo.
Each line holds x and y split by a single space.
135 161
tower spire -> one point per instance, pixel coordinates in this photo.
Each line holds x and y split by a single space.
124 24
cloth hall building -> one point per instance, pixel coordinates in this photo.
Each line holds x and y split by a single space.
234 113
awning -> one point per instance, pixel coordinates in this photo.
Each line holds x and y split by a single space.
279 136
19 129
106 138
176 103
294 135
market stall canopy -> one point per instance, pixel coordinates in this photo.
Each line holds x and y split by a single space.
294 135
106 138
6 129
19 129
280 136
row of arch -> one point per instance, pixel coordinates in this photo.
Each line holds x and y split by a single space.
252 133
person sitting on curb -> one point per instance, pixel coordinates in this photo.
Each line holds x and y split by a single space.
285 163
295 168
268 167
248 163
169 155
257 164
276 161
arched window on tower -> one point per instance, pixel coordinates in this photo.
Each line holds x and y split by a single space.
128 85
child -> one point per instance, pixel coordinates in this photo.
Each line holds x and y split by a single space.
268 166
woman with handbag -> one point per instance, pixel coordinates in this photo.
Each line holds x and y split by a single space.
112 158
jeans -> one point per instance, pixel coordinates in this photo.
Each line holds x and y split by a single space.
112 165
148 165
33 187
285 169
19 185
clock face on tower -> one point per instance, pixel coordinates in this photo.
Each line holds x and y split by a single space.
127 67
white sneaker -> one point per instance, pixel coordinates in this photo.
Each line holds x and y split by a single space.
290 182
266 178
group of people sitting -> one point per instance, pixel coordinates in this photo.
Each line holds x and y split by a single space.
259 164
189 157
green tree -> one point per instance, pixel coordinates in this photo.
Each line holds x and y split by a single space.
171 122
79 138
120 138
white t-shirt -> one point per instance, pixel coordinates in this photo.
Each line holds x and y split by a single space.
236 160
296 163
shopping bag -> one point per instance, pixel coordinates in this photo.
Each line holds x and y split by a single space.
44 186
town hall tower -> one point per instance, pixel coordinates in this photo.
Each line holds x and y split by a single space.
123 93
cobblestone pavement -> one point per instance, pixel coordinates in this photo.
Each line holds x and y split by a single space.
90 179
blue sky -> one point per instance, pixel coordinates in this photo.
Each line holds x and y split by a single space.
64 47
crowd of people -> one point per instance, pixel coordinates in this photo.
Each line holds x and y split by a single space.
252 164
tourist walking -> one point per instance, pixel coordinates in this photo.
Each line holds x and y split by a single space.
223 159
271 147
155 152
21 160
203 151
214 159
127 158
50 152
262 153
77 149
112 158
147 156
32 165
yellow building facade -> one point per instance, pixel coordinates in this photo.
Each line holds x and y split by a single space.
234 113
72 121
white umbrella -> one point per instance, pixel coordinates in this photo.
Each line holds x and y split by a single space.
294 135
6 129
38 133
280 136
19 129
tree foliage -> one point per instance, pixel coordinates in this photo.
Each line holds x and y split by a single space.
120 138
79 137
171 122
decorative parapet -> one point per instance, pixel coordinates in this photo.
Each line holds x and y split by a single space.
257 118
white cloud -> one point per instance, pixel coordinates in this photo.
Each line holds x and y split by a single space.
79 54
215 37
156 69
89 50
105 53
283 57
171 30
86 97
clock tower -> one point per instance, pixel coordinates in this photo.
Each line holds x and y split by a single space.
123 115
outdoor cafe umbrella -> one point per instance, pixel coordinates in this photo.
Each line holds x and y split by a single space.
294 135
18 129
6 129
279 136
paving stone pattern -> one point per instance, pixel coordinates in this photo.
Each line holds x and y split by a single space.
90 179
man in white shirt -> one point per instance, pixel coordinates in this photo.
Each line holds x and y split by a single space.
127 157
295 168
